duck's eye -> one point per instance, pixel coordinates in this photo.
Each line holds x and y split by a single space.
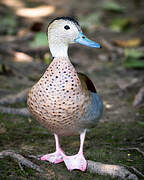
67 27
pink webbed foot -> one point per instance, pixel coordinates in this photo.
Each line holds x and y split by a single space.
55 157
75 162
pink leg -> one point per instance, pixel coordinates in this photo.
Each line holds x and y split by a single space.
57 156
77 161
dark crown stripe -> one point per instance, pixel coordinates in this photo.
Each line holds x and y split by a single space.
65 18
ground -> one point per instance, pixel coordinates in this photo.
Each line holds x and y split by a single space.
121 125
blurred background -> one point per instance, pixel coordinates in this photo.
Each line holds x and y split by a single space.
117 71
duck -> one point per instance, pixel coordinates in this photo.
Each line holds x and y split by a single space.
64 101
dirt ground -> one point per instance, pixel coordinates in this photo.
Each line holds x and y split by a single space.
122 125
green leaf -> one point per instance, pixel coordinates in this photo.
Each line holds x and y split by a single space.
8 24
47 58
39 40
141 123
133 53
120 24
132 63
132 58
1 69
113 6
90 20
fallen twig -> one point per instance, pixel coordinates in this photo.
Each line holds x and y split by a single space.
105 169
20 159
126 85
18 111
16 40
93 167
111 47
132 148
136 171
7 46
33 51
112 170
139 98
11 99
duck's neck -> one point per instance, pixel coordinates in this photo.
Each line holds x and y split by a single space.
58 49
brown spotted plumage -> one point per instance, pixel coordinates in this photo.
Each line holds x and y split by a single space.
58 100
64 101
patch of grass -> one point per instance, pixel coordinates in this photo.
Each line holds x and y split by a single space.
10 169
90 21
121 24
39 40
133 58
113 7
102 144
9 24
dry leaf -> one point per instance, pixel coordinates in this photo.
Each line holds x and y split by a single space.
139 98
22 32
35 12
128 43
22 57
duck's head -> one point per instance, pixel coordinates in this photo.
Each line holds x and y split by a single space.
63 31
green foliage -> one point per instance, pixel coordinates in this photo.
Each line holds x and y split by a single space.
8 24
133 58
134 53
47 59
1 69
120 24
141 123
113 6
90 20
39 40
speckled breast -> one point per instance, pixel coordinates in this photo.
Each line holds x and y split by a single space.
58 100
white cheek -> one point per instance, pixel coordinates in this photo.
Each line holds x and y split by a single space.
73 34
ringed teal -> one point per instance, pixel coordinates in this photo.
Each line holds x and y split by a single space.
64 101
